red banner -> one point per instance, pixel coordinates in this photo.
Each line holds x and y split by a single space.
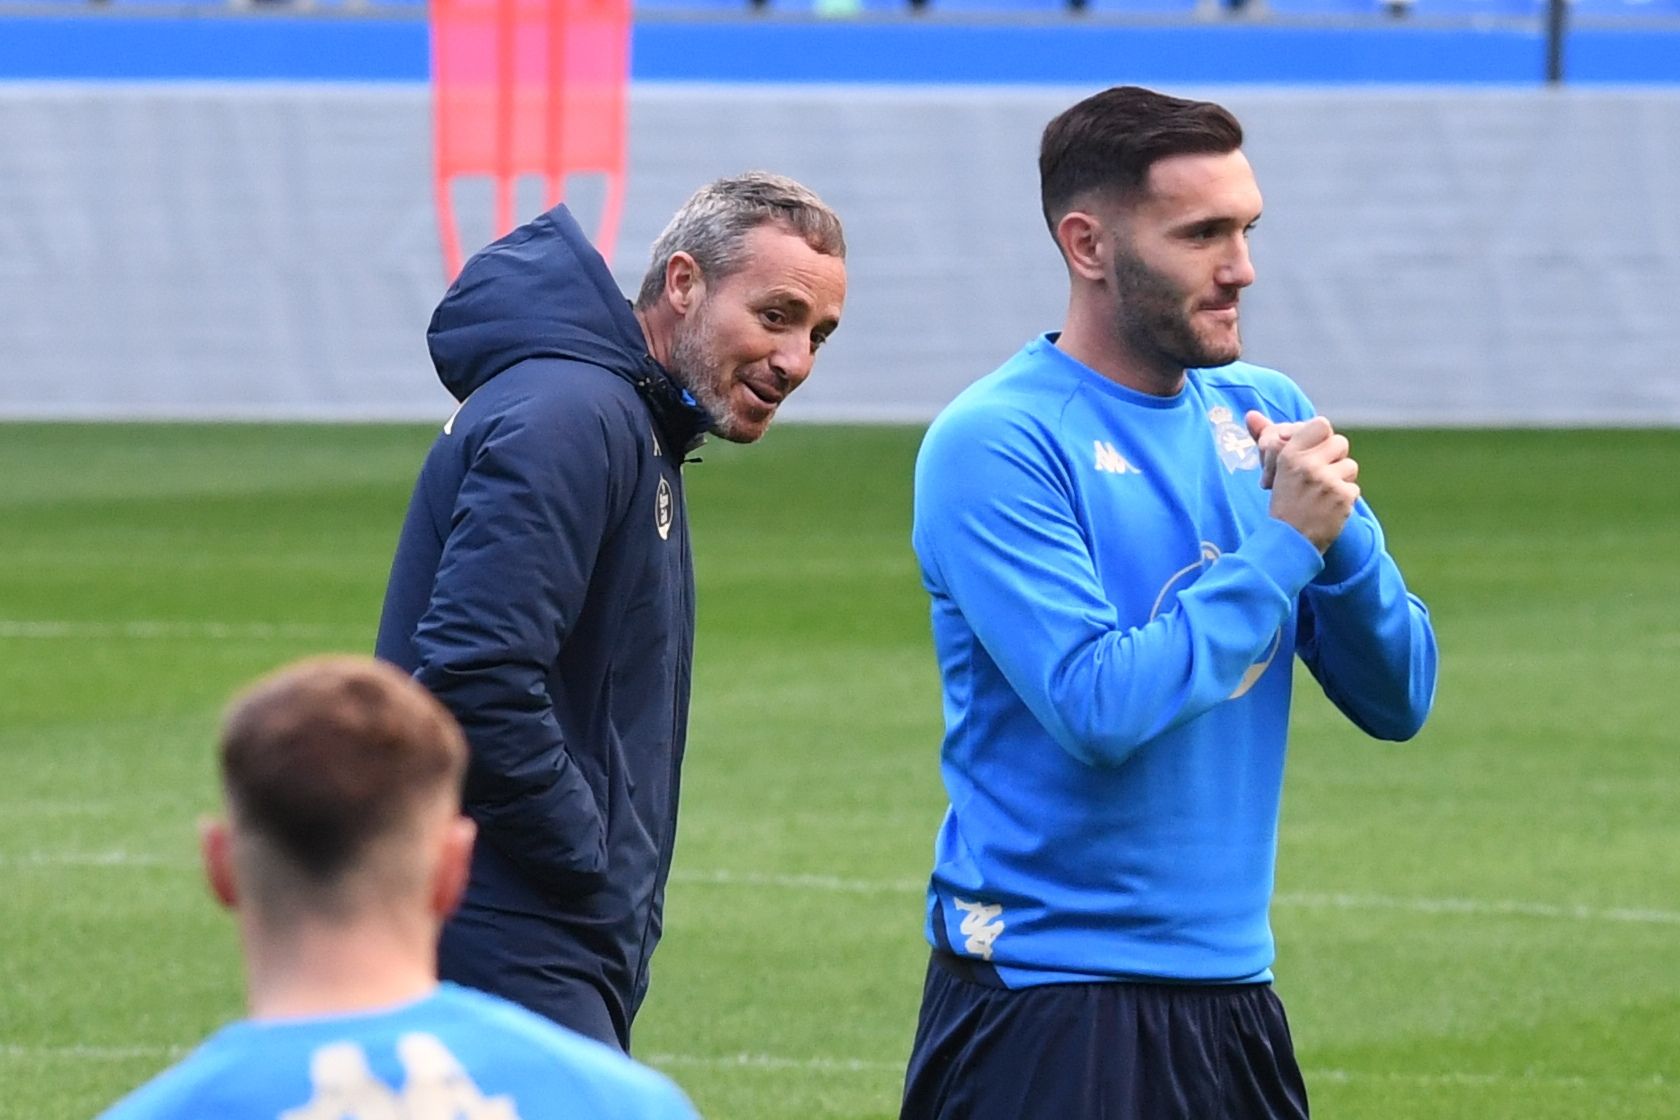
529 87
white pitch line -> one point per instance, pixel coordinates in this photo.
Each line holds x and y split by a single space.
93 807
94 1053
1468 907
1289 900
154 630
91 859
770 1062
1547 1081
1479 908
723 878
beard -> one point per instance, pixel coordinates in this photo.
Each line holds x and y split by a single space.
1156 325
697 368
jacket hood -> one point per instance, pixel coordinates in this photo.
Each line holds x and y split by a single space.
542 291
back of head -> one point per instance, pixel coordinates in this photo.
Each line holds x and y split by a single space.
712 226
332 767
1106 144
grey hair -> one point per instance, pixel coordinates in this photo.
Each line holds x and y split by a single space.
713 225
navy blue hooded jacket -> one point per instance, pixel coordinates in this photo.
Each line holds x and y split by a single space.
542 589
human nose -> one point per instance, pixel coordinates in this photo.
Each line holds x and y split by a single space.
1237 271
792 362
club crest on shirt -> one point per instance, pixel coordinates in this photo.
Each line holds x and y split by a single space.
664 506
1237 449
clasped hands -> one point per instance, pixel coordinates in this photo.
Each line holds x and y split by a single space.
1313 480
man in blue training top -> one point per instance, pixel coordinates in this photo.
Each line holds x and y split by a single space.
1128 535
343 850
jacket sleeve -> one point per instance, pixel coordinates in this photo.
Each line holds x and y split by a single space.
1002 546
534 506
1367 640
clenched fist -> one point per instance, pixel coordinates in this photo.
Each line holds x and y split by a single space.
1305 464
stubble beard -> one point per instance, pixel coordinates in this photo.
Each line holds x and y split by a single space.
1157 326
693 362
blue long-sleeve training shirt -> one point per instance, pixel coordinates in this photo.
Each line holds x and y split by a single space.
1115 613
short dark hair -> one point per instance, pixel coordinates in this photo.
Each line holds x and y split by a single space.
1109 141
330 755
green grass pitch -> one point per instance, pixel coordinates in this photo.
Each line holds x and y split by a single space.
1484 923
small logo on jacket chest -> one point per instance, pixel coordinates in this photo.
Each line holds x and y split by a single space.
664 509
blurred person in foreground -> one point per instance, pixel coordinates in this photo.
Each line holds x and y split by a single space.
1128 535
543 586
342 850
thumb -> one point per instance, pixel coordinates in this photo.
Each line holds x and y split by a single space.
1313 432
1257 423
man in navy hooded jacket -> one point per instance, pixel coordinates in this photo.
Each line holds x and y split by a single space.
543 588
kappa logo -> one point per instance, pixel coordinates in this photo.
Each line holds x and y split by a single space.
981 926
1111 461
435 1087
664 510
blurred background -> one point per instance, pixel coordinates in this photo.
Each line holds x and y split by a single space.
1470 258
222 209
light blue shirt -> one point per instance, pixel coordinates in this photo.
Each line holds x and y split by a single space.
456 1054
1115 615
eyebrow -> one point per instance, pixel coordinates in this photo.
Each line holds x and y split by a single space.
1216 221
785 296
792 299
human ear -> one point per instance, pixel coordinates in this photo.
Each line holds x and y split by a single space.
454 865
684 284
1080 235
215 848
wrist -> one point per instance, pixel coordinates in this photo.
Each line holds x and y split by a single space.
1348 553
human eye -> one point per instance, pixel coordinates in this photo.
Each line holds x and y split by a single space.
774 317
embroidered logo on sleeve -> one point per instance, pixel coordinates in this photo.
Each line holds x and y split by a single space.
1111 461
981 926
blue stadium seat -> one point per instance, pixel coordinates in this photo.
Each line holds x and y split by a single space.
1362 9
1631 10
1183 8
721 7
834 8
1478 9
993 7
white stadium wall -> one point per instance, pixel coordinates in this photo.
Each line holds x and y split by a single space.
1463 256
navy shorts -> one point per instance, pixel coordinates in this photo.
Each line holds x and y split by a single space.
1118 1051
